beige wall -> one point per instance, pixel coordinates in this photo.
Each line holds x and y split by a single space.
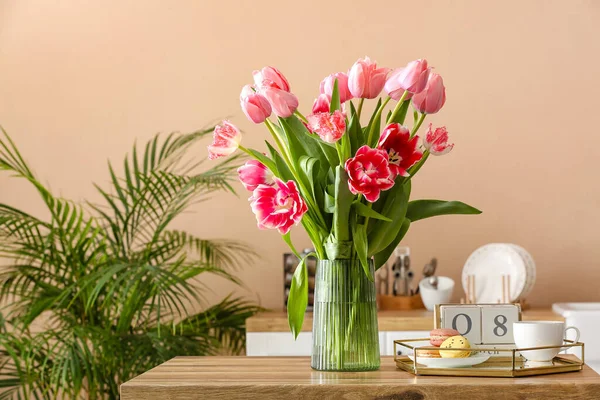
80 80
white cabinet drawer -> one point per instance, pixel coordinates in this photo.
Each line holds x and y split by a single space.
278 344
283 344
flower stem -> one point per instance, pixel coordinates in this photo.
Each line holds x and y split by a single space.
377 115
397 108
360 106
418 125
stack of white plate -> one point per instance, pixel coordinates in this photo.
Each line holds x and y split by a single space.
490 262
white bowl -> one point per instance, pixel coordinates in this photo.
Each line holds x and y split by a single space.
441 295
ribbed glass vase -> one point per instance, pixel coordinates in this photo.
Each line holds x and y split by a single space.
345 333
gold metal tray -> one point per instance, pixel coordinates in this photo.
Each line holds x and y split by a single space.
507 364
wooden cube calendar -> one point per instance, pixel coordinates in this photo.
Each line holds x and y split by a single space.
497 324
480 323
465 319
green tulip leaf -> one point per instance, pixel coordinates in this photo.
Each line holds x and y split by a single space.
334 104
311 145
298 298
264 159
366 211
343 202
282 171
394 207
359 237
384 255
401 116
421 209
310 168
354 131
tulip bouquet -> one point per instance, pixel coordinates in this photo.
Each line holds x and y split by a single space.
348 183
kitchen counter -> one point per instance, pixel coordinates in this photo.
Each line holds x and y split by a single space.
411 320
291 377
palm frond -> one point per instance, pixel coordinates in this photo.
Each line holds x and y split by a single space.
114 282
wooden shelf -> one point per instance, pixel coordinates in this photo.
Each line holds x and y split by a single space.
291 377
409 320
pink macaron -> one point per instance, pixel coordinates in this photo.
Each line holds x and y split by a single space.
437 336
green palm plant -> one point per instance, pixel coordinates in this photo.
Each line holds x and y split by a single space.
100 292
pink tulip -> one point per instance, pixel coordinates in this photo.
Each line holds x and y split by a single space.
369 173
393 88
255 105
413 77
283 103
436 141
329 127
321 104
433 97
327 86
270 77
226 140
279 206
400 148
365 80
252 174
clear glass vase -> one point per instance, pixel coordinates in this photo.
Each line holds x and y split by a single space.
345 332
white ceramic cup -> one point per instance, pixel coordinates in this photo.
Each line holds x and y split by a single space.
441 295
538 334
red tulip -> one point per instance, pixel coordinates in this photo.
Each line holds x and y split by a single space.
433 97
413 77
329 126
400 148
255 105
365 80
369 173
321 104
252 174
436 141
279 206
327 86
226 140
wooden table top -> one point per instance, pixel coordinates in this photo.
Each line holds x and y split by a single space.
292 378
410 320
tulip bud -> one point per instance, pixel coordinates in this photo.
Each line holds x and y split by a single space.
321 104
252 174
327 86
365 80
283 103
393 87
413 77
270 77
255 105
226 140
433 97
436 141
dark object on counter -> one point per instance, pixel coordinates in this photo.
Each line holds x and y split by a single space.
401 275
